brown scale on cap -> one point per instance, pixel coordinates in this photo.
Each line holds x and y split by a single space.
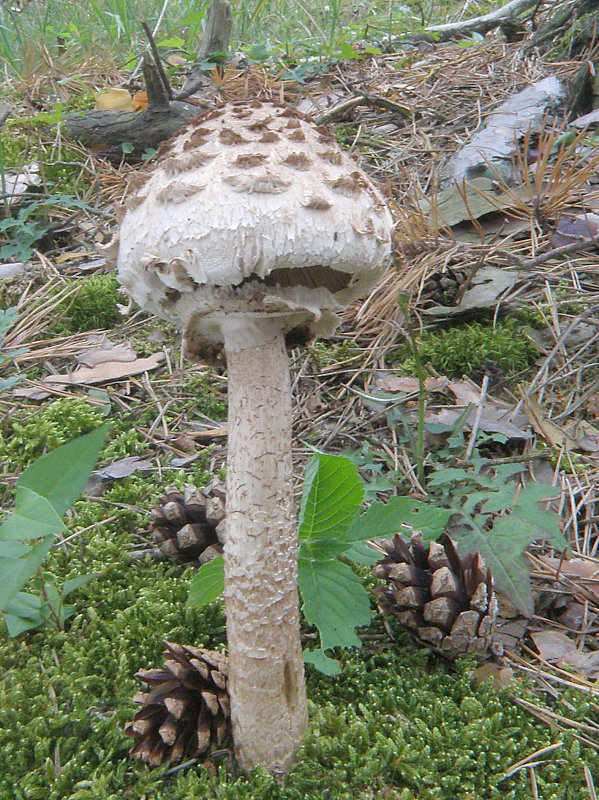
248 160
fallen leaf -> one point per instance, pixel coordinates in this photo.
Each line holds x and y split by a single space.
489 421
573 567
552 645
555 435
108 371
393 383
31 393
114 100
100 355
124 467
139 101
501 677
575 227
70 256
488 285
184 443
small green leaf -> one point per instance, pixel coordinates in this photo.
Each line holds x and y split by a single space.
386 519
60 475
361 553
15 572
504 544
324 664
173 41
12 549
76 583
334 600
127 147
332 496
33 517
208 583
321 549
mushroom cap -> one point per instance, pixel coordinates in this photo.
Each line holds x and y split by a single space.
252 210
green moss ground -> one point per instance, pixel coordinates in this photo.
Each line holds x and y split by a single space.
394 724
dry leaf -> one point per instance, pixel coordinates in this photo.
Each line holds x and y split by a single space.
99 355
491 420
108 371
488 285
114 100
549 430
500 676
552 645
139 101
124 467
393 383
70 256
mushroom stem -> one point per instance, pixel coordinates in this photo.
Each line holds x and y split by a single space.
267 688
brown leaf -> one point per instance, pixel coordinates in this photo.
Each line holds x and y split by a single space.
108 371
114 100
552 645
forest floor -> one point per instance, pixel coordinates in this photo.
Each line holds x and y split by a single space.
398 721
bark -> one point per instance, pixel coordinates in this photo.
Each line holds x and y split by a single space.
105 131
267 688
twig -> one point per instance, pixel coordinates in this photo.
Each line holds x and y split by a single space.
157 61
477 418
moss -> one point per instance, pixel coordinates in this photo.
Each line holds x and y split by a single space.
204 394
326 354
94 305
56 424
395 724
461 350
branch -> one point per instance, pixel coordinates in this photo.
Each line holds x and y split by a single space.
482 24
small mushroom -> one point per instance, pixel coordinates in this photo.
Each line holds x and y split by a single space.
256 233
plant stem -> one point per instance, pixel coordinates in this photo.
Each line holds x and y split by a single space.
403 304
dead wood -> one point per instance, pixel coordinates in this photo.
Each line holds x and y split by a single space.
127 135
105 132
451 31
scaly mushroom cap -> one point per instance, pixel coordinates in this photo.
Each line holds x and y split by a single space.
252 210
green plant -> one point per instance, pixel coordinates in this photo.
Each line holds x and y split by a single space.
498 516
94 305
461 350
31 223
55 425
45 490
330 526
7 320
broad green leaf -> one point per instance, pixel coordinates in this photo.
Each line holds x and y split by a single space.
76 583
332 496
10 569
362 554
23 613
33 518
15 572
33 560
208 583
504 544
322 662
321 549
386 519
334 600
12 549
24 604
60 475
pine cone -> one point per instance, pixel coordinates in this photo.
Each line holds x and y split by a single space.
185 525
445 600
186 707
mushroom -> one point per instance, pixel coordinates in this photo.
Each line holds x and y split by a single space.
254 225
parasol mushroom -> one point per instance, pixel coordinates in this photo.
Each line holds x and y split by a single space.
252 226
